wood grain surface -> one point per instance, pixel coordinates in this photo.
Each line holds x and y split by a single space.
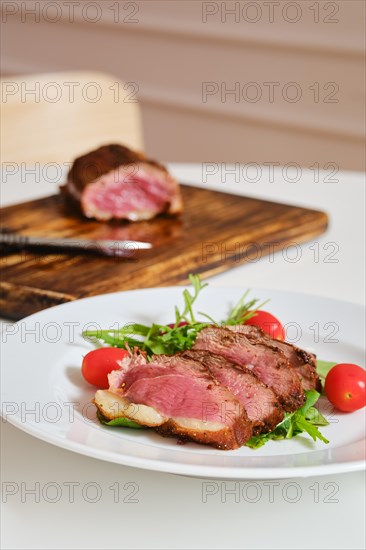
216 232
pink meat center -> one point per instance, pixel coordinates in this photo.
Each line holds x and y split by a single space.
121 192
177 395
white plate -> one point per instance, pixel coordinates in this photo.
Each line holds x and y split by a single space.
44 394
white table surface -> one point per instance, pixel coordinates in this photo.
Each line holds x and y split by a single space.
170 512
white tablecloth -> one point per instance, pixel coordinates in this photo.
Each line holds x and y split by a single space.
169 511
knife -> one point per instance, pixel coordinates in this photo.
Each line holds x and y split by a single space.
106 247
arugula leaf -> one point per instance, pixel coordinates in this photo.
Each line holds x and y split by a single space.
189 300
257 441
243 310
315 417
303 425
323 367
312 397
303 420
121 421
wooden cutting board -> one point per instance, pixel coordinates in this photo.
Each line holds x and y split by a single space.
217 231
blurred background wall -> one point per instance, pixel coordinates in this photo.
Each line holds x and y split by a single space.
241 82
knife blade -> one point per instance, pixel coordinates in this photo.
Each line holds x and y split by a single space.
106 247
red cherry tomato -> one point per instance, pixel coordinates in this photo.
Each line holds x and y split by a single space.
267 322
97 364
181 324
345 387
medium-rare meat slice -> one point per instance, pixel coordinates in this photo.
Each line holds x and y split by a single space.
269 365
177 399
116 182
302 361
260 402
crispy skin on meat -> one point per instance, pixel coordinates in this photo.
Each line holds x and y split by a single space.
226 439
91 166
269 365
302 361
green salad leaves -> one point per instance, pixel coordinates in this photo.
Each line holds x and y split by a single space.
304 420
323 367
167 339
121 422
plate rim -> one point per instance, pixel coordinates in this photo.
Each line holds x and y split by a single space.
213 472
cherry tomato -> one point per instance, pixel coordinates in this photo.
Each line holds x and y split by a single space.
267 322
181 324
345 387
97 364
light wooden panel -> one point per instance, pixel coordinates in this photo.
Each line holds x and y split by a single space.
172 48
